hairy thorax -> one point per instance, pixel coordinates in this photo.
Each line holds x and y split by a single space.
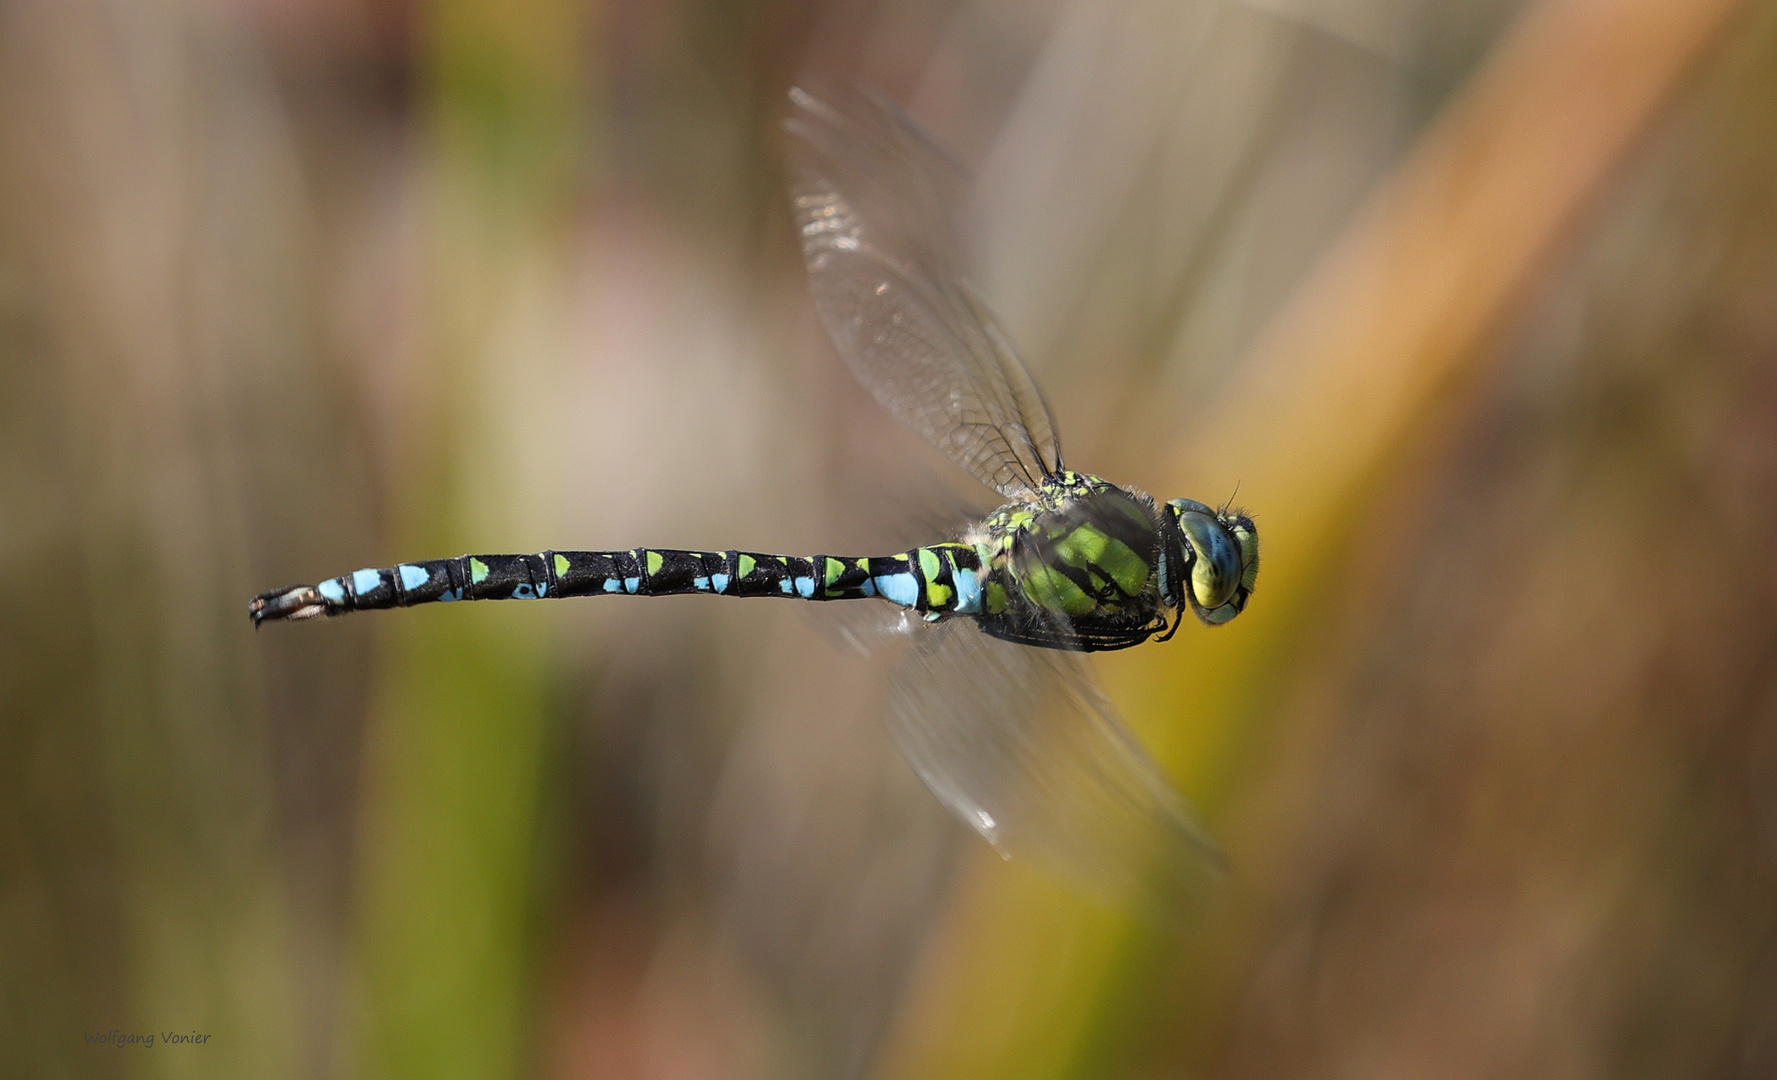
1077 566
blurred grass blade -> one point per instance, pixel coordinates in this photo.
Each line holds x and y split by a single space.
454 771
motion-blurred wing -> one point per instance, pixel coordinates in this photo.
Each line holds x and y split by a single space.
869 195
1018 743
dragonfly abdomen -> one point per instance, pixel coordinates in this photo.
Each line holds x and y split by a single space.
940 579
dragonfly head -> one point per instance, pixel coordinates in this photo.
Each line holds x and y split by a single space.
1220 560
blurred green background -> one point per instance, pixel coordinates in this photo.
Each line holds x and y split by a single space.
1476 300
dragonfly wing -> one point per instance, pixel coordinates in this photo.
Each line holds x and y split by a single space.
1020 744
870 197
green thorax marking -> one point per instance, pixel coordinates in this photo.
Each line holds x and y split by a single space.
1080 547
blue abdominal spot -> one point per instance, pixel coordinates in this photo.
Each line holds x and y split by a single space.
968 592
898 588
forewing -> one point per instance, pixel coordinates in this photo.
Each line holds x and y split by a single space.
1019 743
870 192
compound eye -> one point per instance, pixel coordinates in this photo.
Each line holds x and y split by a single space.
1248 537
1215 572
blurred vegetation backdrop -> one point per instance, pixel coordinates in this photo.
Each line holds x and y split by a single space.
1475 300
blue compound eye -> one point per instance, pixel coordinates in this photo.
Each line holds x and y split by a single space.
1216 571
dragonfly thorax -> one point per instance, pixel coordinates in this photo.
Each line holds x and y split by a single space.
1083 563
1076 565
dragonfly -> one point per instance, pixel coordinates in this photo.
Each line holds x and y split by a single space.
995 708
